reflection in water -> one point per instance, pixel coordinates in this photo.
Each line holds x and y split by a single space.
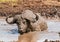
14 31
8 32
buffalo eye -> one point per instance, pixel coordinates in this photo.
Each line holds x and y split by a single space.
24 22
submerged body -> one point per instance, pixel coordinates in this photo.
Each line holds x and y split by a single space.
28 21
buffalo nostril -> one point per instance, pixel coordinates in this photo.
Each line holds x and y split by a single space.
21 29
34 21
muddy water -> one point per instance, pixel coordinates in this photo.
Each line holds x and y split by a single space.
53 26
9 33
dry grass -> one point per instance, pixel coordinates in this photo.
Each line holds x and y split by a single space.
8 0
8 7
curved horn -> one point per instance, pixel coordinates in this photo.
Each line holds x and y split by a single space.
11 21
37 16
